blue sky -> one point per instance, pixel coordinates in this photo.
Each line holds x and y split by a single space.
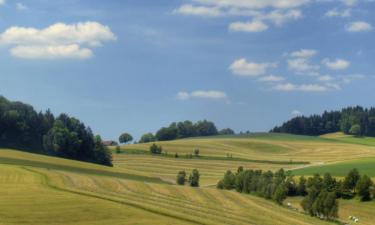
138 65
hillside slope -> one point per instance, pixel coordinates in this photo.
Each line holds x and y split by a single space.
39 194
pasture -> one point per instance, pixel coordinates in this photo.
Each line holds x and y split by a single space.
140 188
36 195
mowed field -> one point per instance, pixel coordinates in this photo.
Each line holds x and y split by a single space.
68 192
140 188
271 147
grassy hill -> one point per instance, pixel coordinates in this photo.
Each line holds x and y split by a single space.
37 193
140 188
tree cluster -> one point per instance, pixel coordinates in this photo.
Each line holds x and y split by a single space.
23 128
186 129
320 193
193 178
269 185
358 121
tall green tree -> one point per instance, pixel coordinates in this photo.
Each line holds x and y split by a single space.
125 138
351 180
194 178
363 187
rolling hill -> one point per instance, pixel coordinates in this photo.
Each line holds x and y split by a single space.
139 189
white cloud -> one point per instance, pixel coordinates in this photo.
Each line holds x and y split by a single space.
296 113
213 95
289 87
279 17
359 26
20 6
271 78
325 78
256 4
183 95
338 64
2 2
57 40
301 65
198 10
243 68
51 52
304 53
337 13
253 26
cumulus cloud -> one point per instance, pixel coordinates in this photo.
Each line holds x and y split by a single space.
338 64
300 65
359 26
56 41
271 78
338 13
51 52
213 95
256 4
289 87
260 13
325 78
198 10
304 53
243 68
253 26
279 17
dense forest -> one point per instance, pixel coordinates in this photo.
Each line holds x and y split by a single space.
21 127
357 120
186 129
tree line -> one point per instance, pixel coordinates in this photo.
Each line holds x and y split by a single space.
357 120
185 129
320 193
21 127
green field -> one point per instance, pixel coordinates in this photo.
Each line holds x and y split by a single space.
140 188
364 166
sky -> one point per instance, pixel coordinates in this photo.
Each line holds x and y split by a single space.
135 66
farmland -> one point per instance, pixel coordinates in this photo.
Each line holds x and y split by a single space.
140 188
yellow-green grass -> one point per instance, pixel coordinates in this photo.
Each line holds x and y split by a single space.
167 168
27 198
362 210
45 196
341 169
184 204
13 157
369 141
276 148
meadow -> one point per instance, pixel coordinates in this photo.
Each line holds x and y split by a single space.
140 188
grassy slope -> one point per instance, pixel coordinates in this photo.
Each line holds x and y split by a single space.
364 165
277 147
35 195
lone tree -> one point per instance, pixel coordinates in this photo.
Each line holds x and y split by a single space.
363 188
355 130
181 178
125 138
194 178
351 180
154 149
196 152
